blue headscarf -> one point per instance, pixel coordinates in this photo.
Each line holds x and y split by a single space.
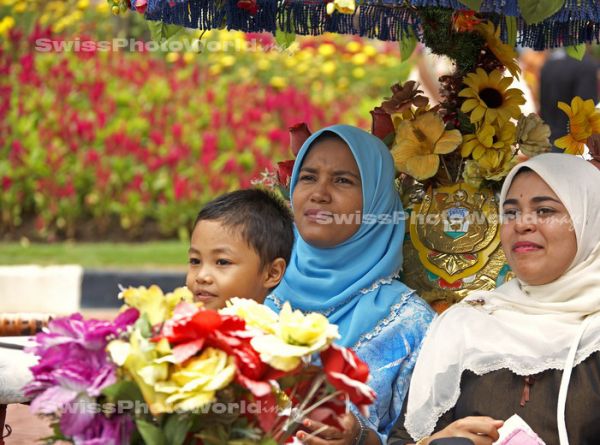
351 283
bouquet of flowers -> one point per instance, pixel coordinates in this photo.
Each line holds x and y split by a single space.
169 371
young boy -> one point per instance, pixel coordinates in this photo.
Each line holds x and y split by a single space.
240 246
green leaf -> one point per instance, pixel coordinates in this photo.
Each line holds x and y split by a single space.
161 32
176 429
472 4
511 30
124 390
284 39
576 51
408 44
151 434
535 11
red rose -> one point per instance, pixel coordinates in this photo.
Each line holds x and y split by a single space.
381 125
284 172
299 133
347 373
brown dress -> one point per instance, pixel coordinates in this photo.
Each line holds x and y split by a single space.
500 394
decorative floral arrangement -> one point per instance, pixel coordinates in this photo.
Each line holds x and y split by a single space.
169 371
478 130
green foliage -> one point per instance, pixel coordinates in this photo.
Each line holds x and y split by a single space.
535 11
577 51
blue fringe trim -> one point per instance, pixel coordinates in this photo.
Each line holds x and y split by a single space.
577 22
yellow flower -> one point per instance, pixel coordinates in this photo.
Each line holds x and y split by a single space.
584 120
327 49
489 98
296 336
6 24
254 314
507 162
343 6
137 357
487 143
194 384
419 143
532 135
278 82
153 302
505 53
472 173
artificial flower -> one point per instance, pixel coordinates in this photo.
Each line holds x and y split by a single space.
404 97
489 98
487 142
141 6
296 336
381 123
505 53
299 133
152 302
419 144
342 6
284 172
194 383
533 135
464 21
584 120
254 314
506 163
346 372
472 173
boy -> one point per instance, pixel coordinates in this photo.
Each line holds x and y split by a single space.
240 246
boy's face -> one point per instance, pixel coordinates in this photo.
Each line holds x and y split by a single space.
222 265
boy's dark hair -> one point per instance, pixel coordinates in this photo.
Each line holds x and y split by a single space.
264 220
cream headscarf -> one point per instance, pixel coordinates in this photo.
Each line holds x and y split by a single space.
526 329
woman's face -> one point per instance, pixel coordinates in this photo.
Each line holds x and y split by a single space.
537 233
327 199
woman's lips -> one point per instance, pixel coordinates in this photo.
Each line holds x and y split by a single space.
524 247
319 216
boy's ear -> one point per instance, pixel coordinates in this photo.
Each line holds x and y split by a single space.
275 272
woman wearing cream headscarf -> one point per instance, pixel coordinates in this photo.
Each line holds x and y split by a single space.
530 347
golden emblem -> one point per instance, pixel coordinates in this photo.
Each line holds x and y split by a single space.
453 244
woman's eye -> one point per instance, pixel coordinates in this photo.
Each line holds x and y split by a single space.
510 213
194 261
223 262
545 211
307 178
342 180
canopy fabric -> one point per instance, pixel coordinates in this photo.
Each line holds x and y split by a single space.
578 21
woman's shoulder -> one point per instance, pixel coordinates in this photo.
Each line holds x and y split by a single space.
407 320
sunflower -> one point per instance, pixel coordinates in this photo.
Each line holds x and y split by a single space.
419 144
487 144
489 98
584 120
506 54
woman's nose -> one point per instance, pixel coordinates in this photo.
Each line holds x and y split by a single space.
320 193
525 222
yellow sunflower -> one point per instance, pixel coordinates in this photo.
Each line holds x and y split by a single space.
489 97
487 144
584 120
506 54
419 143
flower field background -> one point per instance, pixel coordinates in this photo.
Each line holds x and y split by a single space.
127 145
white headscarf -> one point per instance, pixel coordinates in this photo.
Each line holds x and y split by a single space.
527 329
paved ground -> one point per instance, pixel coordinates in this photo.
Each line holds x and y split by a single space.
27 428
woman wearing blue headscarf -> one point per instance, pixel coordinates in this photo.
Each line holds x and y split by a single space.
346 257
